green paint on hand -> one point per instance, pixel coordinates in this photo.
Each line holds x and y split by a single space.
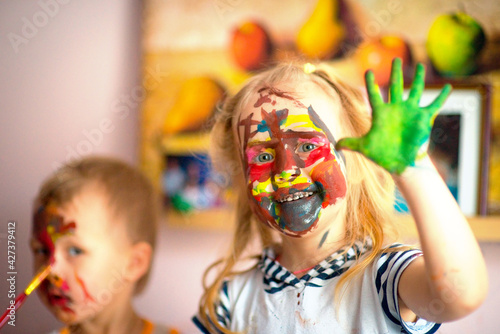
400 127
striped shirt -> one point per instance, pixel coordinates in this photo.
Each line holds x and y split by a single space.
270 299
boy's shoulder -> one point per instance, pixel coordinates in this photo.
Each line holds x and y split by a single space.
149 328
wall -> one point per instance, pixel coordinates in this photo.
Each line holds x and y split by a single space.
78 70
69 65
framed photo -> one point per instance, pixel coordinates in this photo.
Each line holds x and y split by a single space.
189 184
459 146
193 193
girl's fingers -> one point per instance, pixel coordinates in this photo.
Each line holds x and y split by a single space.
439 100
396 85
373 90
417 87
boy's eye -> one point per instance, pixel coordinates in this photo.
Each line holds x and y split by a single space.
306 147
43 251
74 251
265 157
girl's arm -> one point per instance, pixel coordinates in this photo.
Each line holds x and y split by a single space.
450 280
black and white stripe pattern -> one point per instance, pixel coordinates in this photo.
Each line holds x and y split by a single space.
390 266
276 277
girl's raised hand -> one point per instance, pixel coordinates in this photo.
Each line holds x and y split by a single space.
400 129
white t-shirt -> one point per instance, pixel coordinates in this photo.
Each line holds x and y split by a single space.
270 299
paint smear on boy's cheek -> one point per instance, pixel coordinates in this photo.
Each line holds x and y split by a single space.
86 294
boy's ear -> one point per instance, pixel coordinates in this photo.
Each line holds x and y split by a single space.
139 260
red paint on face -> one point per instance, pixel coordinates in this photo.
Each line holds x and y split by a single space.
49 226
322 152
86 294
329 174
259 172
292 159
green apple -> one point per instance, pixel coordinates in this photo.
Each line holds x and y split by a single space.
453 44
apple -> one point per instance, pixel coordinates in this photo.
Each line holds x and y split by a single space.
251 45
377 54
453 44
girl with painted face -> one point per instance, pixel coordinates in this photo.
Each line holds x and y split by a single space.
314 176
95 225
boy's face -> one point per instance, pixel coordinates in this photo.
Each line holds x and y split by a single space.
88 251
294 174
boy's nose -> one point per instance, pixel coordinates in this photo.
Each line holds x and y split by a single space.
56 277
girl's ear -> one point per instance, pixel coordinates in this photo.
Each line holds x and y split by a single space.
139 261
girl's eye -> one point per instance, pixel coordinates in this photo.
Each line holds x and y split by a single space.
74 251
265 157
307 147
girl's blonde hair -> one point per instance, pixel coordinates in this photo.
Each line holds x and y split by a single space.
370 190
130 195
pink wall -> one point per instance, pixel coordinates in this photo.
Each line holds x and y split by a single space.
59 93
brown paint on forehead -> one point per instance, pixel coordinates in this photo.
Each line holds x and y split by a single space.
283 156
278 93
246 124
271 121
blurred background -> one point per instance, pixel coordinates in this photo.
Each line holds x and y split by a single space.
119 78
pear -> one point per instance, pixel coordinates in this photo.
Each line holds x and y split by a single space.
322 34
194 105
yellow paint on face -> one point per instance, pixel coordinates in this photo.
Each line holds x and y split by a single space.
301 121
287 184
261 187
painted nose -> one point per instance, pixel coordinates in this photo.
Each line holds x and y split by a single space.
286 168
287 175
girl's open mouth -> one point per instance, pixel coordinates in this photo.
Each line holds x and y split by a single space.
295 196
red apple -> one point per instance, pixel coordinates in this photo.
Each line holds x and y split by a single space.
377 54
250 45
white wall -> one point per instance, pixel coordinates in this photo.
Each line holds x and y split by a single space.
69 77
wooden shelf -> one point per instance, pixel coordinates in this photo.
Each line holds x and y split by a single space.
185 144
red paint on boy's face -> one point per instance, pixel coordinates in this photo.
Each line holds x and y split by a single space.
88 262
86 294
292 168
50 226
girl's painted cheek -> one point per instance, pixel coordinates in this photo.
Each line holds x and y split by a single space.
259 172
329 175
260 189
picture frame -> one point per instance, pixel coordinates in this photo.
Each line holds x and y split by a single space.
194 195
459 145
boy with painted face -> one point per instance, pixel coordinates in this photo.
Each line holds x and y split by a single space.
323 213
95 225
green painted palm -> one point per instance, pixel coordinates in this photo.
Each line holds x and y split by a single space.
400 128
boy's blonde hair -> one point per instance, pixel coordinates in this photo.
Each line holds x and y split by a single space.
370 192
130 195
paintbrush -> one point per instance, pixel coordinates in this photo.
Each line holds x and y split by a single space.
13 307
